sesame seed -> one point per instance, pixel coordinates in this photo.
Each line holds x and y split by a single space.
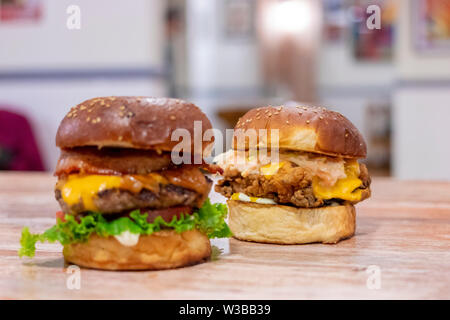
279 108
122 108
120 138
90 110
287 121
305 108
130 114
172 117
88 119
321 118
82 107
346 135
98 119
269 114
307 121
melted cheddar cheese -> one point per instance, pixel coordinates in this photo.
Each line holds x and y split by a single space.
84 188
344 188
271 169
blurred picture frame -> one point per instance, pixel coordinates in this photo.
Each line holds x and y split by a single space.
238 19
335 21
372 45
431 26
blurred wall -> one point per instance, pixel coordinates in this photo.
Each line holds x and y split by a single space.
217 62
355 87
350 86
113 35
421 104
221 70
45 68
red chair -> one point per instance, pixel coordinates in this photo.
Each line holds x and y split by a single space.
18 148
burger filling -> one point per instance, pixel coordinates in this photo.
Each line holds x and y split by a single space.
127 201
299 179
112 194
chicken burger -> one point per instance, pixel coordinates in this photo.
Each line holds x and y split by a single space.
306 195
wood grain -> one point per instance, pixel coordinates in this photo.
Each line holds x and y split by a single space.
404 230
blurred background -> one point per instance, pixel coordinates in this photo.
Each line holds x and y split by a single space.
228 56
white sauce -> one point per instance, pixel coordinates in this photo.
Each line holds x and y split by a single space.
127 238
246 198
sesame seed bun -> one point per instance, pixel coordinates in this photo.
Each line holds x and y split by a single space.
164 249
130 122
305 128
289 225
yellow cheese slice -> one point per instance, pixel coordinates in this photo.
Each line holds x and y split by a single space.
271 169
84 189
345 189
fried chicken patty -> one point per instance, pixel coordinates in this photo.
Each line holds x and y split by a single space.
290 185
117 200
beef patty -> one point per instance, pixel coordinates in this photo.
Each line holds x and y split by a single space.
117 200
291 185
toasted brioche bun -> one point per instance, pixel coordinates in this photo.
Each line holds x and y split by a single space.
288 225
164 249
130 122
304 128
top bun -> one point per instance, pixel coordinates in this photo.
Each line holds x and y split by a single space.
130 122
305 128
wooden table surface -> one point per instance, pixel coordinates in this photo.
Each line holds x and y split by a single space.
403 231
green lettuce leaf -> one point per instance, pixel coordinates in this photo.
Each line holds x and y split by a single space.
210 219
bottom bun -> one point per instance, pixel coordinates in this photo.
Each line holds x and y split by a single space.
161 250
288 225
